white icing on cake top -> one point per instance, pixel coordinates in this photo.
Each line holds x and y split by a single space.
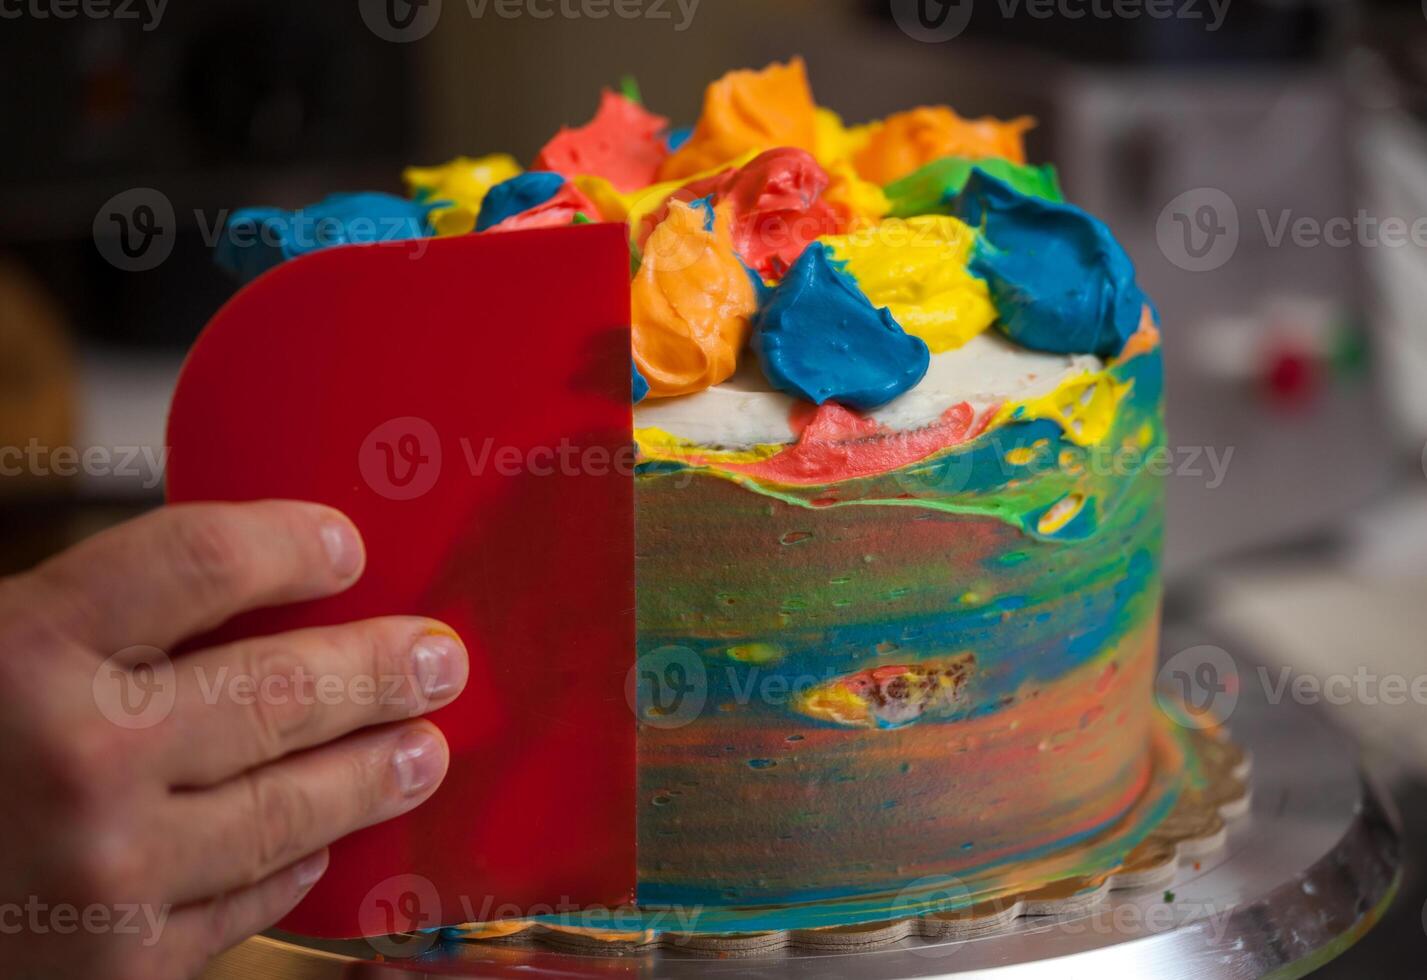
745 410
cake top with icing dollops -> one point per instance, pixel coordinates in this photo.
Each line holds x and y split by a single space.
836 260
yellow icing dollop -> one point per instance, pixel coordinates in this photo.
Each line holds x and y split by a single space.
464 182
691 305
834 141
916 267
860 203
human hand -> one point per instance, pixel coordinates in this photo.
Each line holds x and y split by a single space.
157 812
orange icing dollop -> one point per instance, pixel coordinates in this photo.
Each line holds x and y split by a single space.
909 140
691 304
748 110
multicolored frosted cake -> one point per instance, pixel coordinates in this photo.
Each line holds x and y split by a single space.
897 542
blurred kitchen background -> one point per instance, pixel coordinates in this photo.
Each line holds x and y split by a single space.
1214 140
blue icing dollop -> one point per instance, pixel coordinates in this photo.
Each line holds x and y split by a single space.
510 197
1060 281
819 338
257 239
641 387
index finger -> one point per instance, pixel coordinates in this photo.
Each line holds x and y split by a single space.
185 569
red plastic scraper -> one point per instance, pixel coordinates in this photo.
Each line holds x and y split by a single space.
466 401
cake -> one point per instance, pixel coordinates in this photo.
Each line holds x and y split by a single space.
898 518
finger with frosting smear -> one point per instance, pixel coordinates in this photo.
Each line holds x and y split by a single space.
464 182
909 140
748 110
691 304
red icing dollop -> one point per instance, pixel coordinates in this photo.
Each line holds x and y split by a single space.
778 207
621 144
835 444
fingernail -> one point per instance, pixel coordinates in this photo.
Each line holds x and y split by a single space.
419 763
310 871
344 548
436 664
